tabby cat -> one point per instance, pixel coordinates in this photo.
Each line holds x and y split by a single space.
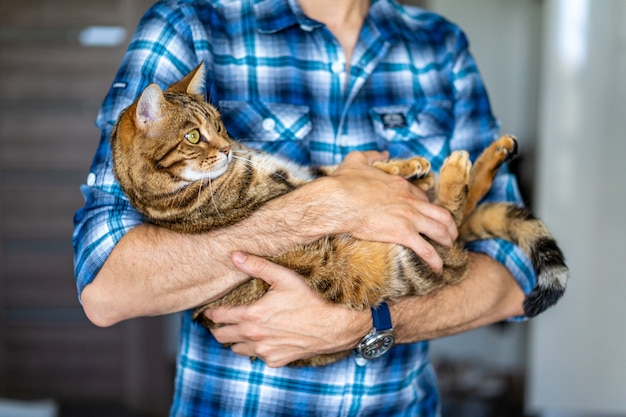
177 165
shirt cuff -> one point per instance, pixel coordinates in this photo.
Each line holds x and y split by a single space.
98 227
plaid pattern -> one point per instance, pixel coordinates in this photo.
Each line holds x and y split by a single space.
279 79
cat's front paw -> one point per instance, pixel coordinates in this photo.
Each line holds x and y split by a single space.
412 168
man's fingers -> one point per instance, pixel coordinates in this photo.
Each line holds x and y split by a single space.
427 252
224 315
436 222
254 266
259 267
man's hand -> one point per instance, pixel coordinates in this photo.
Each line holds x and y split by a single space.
387 208
289 322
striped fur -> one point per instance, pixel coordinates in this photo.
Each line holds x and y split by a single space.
215 182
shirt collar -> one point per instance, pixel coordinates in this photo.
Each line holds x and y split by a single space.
276 15
386 17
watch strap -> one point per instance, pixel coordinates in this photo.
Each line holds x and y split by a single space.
381 317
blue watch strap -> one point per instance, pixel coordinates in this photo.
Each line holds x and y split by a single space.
381 317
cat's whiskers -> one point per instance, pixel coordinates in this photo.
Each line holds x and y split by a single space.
217 210
184 189
249 165
211 191
200 193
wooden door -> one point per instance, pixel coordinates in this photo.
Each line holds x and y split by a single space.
50 89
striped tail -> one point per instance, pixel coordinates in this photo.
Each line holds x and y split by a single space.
552 276
519 226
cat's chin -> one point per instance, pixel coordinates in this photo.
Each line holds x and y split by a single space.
192 175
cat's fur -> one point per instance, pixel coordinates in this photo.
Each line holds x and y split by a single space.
194 187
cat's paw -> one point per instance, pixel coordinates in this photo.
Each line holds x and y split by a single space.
456 169
453 184
412 168
426 183
485 168
505 147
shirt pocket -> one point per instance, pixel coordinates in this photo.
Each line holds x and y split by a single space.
423 120
265 121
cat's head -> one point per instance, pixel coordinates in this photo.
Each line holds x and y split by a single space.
167 141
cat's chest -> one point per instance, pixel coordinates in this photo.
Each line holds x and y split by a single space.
274 165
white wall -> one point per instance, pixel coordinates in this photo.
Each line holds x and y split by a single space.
578 350
556 71
505 40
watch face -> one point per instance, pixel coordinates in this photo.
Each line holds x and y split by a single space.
376 345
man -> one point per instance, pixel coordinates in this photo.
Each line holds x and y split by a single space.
314 80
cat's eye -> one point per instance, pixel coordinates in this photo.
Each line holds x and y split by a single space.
218 126
193 136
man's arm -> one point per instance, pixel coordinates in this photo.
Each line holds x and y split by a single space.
488 294
154 271
278 328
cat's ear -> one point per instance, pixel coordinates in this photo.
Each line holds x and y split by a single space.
192 83
149 106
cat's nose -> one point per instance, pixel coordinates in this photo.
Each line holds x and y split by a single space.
225 150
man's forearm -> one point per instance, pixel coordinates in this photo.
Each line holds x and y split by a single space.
280 333
489 294
155 271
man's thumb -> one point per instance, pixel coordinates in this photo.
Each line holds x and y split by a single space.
255 266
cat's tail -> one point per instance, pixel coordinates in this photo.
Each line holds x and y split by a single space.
517 225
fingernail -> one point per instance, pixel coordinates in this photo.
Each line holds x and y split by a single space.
239 257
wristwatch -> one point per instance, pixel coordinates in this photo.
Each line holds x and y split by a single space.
380 339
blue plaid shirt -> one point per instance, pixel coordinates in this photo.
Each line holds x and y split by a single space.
280 81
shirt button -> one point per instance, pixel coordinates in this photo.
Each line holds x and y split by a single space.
345 140
360 360
337 67
91 179
268 124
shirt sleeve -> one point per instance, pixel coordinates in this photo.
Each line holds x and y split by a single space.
161 51
475 128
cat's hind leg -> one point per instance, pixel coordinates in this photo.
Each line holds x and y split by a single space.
485 168
453 184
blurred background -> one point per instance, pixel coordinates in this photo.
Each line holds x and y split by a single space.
556 73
